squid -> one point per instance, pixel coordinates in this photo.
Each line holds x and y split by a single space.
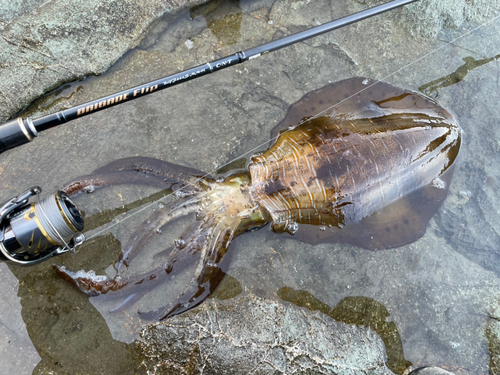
354 162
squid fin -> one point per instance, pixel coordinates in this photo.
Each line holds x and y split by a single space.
399 223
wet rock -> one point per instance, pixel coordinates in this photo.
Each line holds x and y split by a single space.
46 43
14 338
361 311
430 371
473 206
493 335
426 18
258 336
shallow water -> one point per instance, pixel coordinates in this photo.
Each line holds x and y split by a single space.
440 292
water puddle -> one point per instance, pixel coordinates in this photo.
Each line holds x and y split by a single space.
432 88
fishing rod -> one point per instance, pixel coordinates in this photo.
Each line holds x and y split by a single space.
23 130
34 232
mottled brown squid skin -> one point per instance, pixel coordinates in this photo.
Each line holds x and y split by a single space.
337 169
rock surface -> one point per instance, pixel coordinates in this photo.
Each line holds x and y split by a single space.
14 338
225 338
493 335
46 43
435 292
430 371
432 15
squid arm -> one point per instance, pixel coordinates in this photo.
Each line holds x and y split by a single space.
93 285
215 259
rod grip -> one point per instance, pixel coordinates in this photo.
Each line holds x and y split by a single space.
15 133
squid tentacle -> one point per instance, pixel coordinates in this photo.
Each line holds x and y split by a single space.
93 285
140 170
215 258
156 221
177 261
221 214
152 166
143 171
92 182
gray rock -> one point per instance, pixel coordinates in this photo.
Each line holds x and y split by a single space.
46 43
430 371
259 336
428 17
14 338
493 335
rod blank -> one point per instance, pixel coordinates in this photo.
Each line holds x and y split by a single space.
19 131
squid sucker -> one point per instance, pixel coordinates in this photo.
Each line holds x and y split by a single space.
358 162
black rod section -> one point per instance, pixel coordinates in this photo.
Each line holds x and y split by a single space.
58 118
31 127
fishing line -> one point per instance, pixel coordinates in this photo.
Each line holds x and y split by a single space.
300 123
